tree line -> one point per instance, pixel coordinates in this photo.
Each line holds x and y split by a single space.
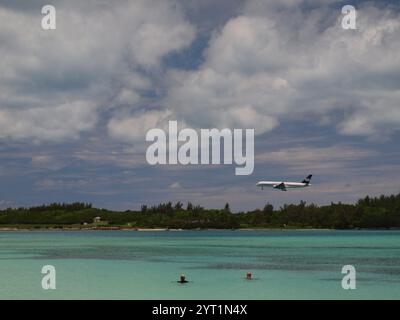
376 212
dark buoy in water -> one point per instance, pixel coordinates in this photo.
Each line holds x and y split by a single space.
249 276
182 279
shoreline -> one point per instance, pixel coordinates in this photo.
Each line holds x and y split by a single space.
15 229
158 229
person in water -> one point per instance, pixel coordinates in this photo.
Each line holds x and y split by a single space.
182 279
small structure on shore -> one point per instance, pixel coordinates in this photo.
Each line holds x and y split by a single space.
96 219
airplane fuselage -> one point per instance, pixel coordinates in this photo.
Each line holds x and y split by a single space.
282 185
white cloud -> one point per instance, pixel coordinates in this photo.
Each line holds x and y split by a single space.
100 52
133 128
175 185
321 161
62 122
62 184
313 155
271 64
153 40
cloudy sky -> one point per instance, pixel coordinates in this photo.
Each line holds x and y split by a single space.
76 102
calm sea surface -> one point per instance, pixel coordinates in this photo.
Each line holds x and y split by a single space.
146 265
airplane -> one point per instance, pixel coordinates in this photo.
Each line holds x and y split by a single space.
283 186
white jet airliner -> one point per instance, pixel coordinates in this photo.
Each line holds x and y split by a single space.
282 185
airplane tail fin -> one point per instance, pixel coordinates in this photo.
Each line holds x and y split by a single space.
307 180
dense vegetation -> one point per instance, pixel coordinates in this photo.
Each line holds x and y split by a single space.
381 212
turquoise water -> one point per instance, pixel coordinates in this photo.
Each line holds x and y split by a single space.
145 265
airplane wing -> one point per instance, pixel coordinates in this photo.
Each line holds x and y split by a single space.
281 186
